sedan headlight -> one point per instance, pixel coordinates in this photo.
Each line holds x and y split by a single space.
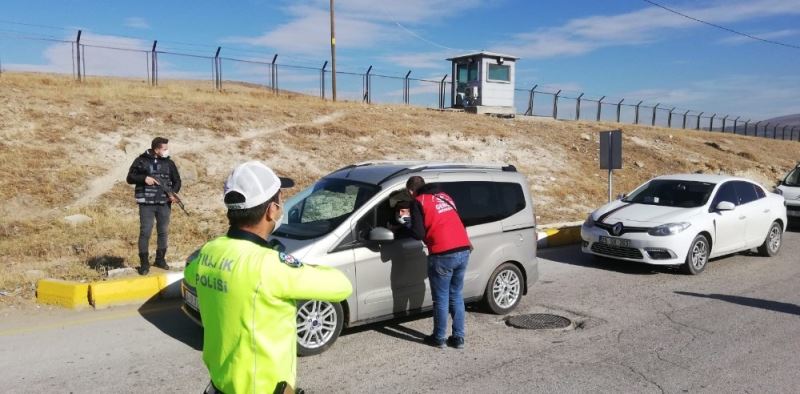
589 221
668 229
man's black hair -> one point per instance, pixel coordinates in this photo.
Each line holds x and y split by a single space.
157 142
238 218
403 204
414 183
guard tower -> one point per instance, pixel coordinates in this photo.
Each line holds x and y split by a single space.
483 82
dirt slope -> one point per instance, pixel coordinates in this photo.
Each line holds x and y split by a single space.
65 149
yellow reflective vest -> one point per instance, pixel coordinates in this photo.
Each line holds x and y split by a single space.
247 294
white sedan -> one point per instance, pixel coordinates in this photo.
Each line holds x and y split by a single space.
686 220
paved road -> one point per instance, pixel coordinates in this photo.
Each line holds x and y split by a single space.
735 328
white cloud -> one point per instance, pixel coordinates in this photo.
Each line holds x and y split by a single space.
739 95
360 24
137 23
583 35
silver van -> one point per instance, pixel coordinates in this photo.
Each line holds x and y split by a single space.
342 221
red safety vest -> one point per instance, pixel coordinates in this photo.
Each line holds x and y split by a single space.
444 230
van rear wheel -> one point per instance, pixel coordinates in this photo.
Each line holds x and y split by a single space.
504 290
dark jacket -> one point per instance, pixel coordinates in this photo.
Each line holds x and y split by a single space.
435 220
162 169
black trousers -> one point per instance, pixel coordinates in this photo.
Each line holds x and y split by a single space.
147 215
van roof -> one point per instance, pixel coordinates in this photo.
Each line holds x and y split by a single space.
376 172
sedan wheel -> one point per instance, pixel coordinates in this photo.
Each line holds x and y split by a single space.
772 244
697 258
319 323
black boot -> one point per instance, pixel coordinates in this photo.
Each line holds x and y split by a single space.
144 264
160 261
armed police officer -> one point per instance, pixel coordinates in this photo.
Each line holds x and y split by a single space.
154 173
247 291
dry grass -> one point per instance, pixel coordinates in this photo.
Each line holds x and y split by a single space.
65 149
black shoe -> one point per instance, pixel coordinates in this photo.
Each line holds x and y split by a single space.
161 262
144 264
430 340
143 270
456 342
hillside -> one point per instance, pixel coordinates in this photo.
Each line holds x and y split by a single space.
65 149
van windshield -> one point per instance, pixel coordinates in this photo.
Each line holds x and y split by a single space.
793 179
321 208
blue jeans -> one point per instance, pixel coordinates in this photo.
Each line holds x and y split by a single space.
446 277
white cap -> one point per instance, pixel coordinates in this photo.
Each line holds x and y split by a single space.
256 182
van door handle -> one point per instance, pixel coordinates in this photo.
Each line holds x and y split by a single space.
742 217
767 210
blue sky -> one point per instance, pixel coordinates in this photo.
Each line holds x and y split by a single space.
623 48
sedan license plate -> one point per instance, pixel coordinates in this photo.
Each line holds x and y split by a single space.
616 242
191 299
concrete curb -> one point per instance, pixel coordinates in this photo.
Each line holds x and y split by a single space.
104 294
558 235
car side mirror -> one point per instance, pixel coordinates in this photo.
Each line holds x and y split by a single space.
725 206
381 234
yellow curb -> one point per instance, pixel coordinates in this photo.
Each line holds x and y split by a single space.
125 291
563 236
74 295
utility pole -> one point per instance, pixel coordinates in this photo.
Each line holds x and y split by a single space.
333 55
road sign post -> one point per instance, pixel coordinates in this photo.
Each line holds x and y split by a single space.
610 154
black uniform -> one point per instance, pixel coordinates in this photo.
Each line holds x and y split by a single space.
153 202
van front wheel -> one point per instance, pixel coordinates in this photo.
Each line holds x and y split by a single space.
319 323
504 290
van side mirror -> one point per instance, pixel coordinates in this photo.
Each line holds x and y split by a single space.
381 234
725 206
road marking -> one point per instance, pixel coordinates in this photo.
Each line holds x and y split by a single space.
79 322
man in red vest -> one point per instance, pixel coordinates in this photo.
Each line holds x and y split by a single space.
435 221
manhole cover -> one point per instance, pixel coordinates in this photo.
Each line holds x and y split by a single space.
538 321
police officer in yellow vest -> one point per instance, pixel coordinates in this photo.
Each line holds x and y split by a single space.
247 291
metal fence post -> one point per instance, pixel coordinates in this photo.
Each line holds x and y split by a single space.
755 133
653 123
555 104
274 74
78 54
599 107
636 118
711 124
407 88
724 121
322 80
783 133
619 109
685 114
669 118
367 77
736 124
442 89
529 111
775 131
218 69
766 126
578 107
154 64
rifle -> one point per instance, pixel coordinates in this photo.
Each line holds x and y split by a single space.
171 193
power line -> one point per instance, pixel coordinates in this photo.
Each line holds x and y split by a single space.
723 27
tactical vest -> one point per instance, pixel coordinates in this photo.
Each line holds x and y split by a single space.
146 194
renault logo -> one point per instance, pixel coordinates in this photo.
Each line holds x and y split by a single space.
617 229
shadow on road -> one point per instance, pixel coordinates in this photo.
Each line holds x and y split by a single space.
776 306
572 255
393 328
166 315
